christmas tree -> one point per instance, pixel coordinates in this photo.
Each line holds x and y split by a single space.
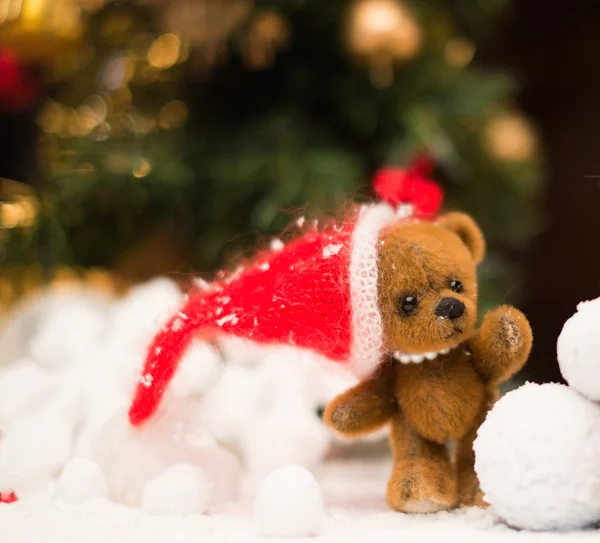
215 120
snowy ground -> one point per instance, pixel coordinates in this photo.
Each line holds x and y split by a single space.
356 512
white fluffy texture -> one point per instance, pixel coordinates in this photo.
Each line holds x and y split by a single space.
267 409
356 513
81 480
23 386
30 325
34 447
181 490
289 504
367 332
81 317
260 404
578 349
132 456
537 458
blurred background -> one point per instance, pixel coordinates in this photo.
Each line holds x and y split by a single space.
150 137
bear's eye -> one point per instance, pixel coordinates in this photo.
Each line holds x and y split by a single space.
456 286
408 304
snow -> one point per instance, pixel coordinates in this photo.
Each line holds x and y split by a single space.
537 458
578 350
355 513
81 480
181 490
289 504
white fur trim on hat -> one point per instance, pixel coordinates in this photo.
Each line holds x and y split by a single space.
367 330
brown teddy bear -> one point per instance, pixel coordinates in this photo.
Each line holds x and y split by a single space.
439 379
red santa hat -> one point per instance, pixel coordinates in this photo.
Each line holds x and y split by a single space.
317 292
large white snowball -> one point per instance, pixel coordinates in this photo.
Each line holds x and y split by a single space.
181 490
81 480
289 504
537 458
578 349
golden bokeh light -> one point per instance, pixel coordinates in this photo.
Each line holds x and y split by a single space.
142 168
164 51
459 52
383 27
21 213
173 114
511 137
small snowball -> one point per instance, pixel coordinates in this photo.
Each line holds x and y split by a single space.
182 489
81 480
75 324
578 350
537 458
280 438
23 385
198 370
130 457
289 504
35 446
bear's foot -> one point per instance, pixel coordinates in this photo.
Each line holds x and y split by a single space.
469 493
422 487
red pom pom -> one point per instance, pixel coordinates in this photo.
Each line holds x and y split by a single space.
393 185
8 496
427 198
410 186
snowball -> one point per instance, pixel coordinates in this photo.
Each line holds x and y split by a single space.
131 456
578 350
283 437
35 446
81 480
199 369
139 315
75 323
289 504
182 489
537 458
23 385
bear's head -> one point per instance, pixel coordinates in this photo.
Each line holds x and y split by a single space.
428 285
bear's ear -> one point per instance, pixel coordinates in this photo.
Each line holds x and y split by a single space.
467 230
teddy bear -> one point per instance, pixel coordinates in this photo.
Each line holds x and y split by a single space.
387 290
441 374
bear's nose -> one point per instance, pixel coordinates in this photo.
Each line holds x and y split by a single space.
450 308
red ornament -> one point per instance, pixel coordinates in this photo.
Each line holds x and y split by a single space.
410 185
8 496
19 87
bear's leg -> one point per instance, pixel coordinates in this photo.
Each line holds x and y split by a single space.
423 480
469 493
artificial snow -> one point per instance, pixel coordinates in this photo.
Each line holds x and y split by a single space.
81 480
355 512
578 350
289 504
181 490
537 458
130 456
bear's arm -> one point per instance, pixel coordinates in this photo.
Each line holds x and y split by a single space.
502 345
365 407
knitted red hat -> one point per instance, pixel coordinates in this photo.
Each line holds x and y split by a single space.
318 292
